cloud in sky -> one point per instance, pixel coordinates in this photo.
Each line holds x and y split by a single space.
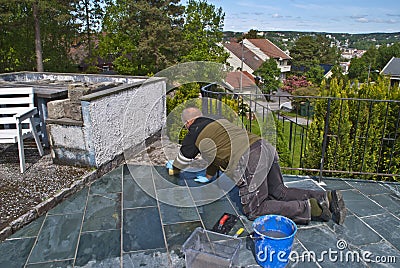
276 15
356 16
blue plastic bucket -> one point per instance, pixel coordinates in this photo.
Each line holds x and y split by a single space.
273 239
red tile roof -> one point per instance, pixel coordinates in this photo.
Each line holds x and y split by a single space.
233 79
249 58
269 49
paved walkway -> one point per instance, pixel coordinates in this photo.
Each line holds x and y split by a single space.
114 223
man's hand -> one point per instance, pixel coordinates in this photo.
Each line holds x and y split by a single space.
169 164
201 179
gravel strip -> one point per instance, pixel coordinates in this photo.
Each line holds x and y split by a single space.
20 193
25 197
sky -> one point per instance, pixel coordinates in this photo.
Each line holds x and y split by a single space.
335 16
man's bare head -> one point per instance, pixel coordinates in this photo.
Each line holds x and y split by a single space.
190 113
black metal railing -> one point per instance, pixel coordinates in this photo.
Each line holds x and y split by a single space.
322 136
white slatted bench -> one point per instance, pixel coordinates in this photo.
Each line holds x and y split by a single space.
17 113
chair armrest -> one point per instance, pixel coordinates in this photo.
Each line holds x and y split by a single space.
29 112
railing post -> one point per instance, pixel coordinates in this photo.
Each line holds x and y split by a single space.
321 167
219 104
204 101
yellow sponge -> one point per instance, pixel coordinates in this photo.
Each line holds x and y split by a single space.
171 172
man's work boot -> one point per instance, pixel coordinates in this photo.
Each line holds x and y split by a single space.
337 206
324 204
320 209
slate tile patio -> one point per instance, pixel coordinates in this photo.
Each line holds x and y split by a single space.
114 222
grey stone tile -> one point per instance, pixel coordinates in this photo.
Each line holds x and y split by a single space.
177 234
389 201
234 198
108 183
387 226
139 171
103 212
355 232
58 238
134 196
107 263
248 224
173 214
162 180
53 264
142 229
360 204
319 242
190 176
307 184
336 184
293 178
14 253
369 187
147 259
298 258
29 230
381 255
102 248
246 253
176 196
209 191
73 204
316 224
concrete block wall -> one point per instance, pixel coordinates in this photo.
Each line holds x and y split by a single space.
112 121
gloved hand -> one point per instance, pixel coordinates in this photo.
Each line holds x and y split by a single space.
201 179
169 164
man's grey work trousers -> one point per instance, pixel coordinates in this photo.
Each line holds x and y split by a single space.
261 187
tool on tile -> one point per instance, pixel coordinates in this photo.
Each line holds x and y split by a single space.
222 221
225 223
239 232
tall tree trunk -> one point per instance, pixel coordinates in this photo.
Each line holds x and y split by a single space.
38 43
87 11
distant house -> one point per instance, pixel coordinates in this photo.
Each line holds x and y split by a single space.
392 69
267 50
254 52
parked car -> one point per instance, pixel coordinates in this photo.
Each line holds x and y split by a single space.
286 106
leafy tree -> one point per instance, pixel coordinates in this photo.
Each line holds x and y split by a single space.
142 36
327 54
357 69
372 61
385 53
203 32
315 75
36 35
252 34
361 135
269 72
310 51
282 145
305 52
89 14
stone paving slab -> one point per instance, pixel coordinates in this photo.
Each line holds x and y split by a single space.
117 222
